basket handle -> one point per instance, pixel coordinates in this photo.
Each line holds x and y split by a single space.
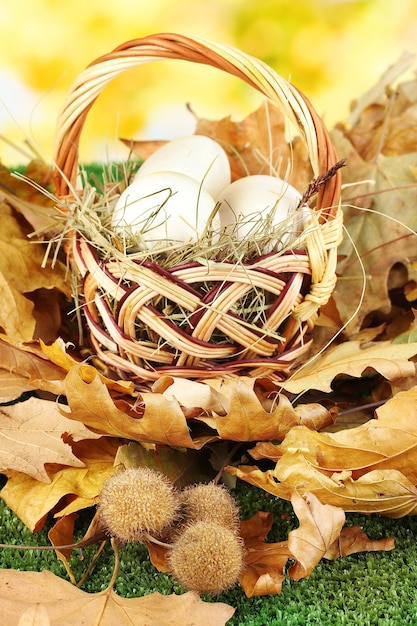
90 82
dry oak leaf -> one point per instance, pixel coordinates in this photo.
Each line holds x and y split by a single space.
388 442
57 354
320 527
387 492
238 412
159 417
33 201
264 562
31 435
388 123
352 358
36 171
66 605
62 534
319 535
248 419
22 369
380 149
384 235
259 144
161 421
353 539
22 275
71 488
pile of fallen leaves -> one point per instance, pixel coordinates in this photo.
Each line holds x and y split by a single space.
339 435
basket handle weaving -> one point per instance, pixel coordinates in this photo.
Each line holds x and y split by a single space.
295 106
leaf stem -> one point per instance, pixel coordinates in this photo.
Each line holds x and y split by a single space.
91 565
226 462
151 539
115 546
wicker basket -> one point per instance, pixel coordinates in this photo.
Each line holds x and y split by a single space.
127 330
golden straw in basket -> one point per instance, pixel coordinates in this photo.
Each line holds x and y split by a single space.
124 302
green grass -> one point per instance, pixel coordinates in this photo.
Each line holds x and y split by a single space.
374 588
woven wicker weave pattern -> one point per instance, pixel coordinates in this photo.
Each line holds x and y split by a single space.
205 336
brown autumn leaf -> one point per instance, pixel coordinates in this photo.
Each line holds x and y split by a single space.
62 534
143 148
320 527
380 149
22 276
387 125
264 562
319 535
388 442
158 555
353 539
64 604
37 171
160 418
32 435
383 237
240 409
161 421
352 358
58 354
253 414
32 196
387 492
71 488
258 145
23 369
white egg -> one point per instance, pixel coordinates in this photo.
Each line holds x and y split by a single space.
197 156
250 199
163 209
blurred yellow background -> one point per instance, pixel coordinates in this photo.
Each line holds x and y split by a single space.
332 50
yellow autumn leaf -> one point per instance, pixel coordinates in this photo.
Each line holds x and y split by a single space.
32 500
58 355
351 358
161 421
32 436
386 492
44 599
388 442
320 527
23 368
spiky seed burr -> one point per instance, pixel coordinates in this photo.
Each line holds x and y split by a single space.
136 503
207 558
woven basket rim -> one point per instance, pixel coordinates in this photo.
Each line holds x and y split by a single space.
293 103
